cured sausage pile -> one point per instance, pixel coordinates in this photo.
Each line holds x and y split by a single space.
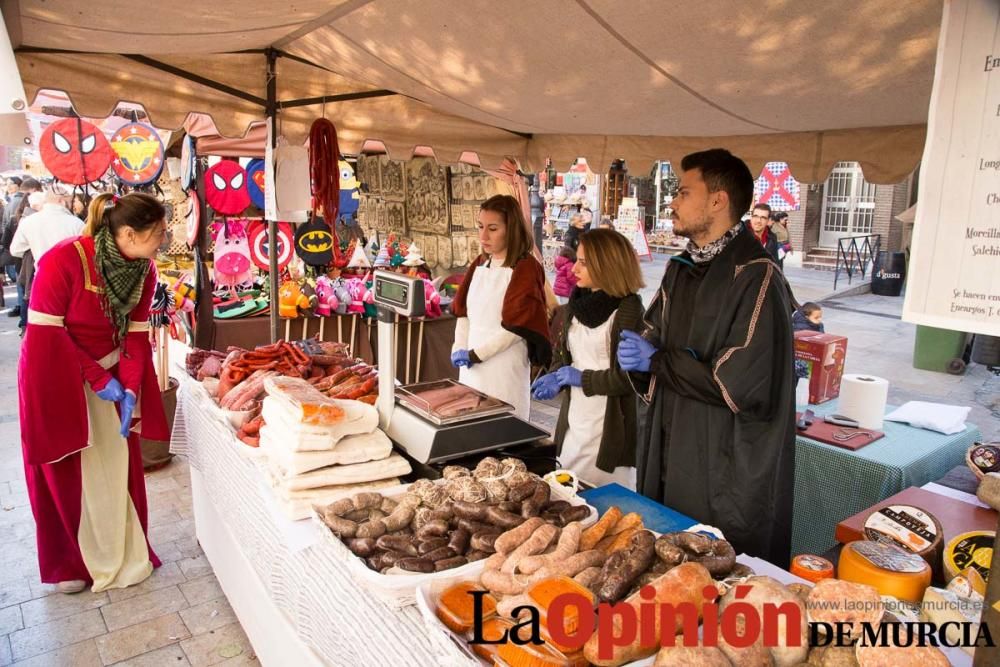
435 527
320 449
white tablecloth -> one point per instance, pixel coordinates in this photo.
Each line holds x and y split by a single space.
329 611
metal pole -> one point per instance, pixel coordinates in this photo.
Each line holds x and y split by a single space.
272 225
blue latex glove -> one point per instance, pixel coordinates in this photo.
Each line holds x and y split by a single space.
127 406
635 352
460 359
112 391
546 387
567 375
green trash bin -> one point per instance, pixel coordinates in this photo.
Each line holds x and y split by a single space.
939 350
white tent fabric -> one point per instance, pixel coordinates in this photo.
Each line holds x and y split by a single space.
808 82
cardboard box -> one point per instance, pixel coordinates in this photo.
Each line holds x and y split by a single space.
824 356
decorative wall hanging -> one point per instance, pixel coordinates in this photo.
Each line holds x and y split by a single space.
255 182
138 154
426 197
192 218
225 188
259 248
314 243
75 151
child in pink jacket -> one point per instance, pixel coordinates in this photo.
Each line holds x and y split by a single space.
565 280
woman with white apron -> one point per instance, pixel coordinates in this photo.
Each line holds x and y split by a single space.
597 428
502 325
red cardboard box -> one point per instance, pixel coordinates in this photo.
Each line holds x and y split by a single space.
824 354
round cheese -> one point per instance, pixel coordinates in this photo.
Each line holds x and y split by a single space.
973 549
889 569
908 527
812 568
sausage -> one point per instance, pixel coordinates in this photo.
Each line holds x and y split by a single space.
435 528
589 578
502 518
465 510
533 545
478 526
438 554
576 513
509 506
476 554
415 565
613 543
485 542
397 543
569 540
552 517
504 584
683 585
459 540
515 536
596 533
636 559
667 551
339 526
390 558
431 544
556 506
449 563
372 529
400 517
533 505
572 566
627 522
363 547
521 492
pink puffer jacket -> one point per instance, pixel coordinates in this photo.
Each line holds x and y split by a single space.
565 280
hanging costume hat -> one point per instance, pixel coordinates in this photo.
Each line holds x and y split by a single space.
259 250
314 243
75 151
255 182
225 188
138 154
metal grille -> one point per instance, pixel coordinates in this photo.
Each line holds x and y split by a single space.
849 205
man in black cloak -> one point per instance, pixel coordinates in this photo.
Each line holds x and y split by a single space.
715 369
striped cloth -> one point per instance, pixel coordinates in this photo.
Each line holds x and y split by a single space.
832 483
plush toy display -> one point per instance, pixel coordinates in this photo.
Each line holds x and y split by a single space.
326 297
232 254
225 188
75 151
292 301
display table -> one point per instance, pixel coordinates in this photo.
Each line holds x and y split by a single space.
292 596
438 335
832 483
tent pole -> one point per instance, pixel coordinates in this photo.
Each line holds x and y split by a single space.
204 330
272 225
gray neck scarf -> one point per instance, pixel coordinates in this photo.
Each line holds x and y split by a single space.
711 250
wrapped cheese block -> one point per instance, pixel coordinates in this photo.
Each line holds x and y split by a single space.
304 402
298 504
297 436
352 449
393 466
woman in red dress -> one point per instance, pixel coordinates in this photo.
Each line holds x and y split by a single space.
87 391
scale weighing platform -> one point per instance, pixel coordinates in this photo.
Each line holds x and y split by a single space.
439 420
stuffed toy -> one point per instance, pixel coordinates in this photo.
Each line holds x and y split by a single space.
432 301
75 151
343 296
232 254
326 297
356 289
291 300
225 188
349 197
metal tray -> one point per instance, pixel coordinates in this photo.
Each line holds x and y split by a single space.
411 397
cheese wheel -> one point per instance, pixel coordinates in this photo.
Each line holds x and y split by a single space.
812 568
973 549
909 528
889 569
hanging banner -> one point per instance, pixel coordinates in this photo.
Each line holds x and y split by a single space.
777 188
954 272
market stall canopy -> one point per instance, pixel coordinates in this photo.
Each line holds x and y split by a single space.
808 82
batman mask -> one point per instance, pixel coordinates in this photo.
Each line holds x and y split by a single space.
314 243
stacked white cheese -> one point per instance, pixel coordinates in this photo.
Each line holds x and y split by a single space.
315 464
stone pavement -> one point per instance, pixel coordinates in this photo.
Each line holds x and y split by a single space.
179 616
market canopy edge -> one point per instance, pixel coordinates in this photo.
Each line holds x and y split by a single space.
808 83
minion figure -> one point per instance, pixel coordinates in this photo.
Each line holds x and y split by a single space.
347 215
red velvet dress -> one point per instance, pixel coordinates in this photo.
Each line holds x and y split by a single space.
69 352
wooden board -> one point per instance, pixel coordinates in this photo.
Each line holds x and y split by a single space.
956 516
822 431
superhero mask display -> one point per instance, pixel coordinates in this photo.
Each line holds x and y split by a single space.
192 217
225 188
75 151
259 251
139 154
255 182
314 242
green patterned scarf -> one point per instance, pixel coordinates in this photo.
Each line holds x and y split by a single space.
123 280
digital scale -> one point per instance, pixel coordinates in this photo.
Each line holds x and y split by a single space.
439 420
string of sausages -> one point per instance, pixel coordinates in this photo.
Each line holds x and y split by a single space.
324 175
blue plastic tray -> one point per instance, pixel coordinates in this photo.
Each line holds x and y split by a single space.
655 516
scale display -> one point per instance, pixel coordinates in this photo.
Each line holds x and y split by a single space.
403 295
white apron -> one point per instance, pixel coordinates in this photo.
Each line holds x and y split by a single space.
591 351
506 375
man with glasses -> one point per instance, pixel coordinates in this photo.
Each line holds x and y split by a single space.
760 225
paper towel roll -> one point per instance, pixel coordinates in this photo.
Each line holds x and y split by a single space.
863 397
